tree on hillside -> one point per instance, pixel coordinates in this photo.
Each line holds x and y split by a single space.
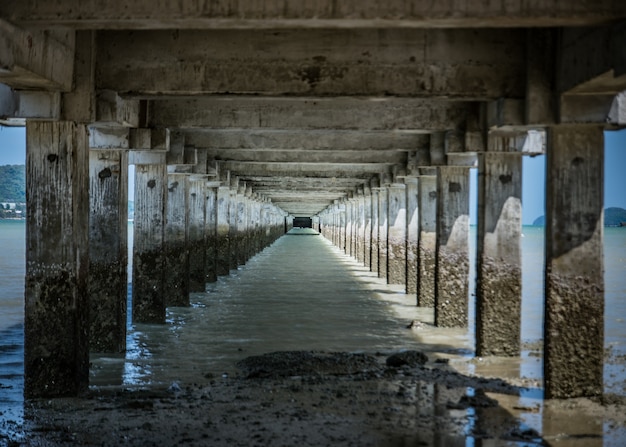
13 183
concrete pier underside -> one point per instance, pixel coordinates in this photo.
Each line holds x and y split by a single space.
239 119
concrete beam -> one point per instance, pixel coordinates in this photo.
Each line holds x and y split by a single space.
295 169
36 59
452 63
149 139
617 114
108 138
114 110
309 113
592 60
506 112
19 105
325 13
316 139
284 156
527 142
587 109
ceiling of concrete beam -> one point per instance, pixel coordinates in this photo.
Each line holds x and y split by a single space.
307 104
245 14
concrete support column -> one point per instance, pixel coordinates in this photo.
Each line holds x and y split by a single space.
396 244
233 236
367 235
342 226
196 233
498 266
375 266
383 225
210 235
242 227
108 249
574 283
452 254
349 222
411 234
336 225
354 227
56 327
149 248
176 249
360 235
223 230
427 240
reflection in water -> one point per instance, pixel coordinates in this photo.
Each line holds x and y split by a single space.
303 294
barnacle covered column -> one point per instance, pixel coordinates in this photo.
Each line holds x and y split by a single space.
367 230
196 232
498 266
176 247
452 253
56 327
498 287
223 229
233 235
151 185
360 234
396 243
383 228
574 283
412 215
210 235
375 266
427 237
108 248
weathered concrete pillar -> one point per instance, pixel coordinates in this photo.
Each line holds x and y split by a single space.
176 249
498 266
452 254
56 327
210 234
196 231
342 226
223 229
367 231
360 235
411 234
396 243
383 225
149 253
574 283
349 227
354 213
108 249
336 225
375 266
233 235
242 225
427 240
354 228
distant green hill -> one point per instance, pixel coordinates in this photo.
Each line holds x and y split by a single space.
13 183
612 217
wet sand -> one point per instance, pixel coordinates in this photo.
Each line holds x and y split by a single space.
192 382
421 405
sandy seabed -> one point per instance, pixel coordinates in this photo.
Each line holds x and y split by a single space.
319 399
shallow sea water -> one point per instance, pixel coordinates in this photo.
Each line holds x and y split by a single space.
303 293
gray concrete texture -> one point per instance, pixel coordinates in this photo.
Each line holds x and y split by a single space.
309 109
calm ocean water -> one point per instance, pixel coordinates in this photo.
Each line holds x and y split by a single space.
12 264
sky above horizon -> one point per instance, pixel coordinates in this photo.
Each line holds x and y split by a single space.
13 152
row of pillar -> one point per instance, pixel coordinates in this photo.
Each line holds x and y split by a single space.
188 230
415 231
